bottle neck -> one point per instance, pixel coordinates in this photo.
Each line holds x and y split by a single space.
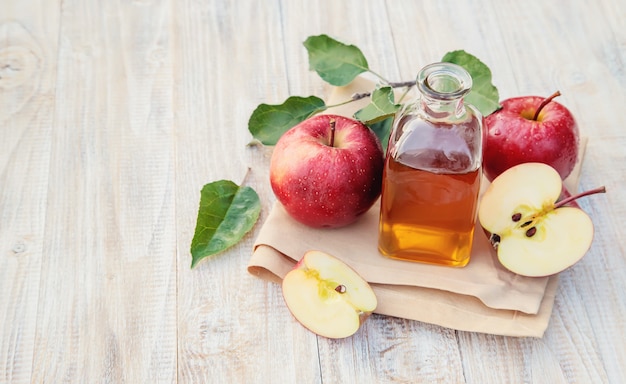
448 109
442 87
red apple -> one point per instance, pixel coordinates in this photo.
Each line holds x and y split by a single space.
327 170
530 129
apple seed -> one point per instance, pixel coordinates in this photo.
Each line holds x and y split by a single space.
341 288
494 239
531 232
516 217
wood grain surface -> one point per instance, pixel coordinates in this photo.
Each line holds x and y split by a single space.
114 114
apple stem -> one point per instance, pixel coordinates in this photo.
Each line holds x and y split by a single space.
341 288
332 132
544 103
561 203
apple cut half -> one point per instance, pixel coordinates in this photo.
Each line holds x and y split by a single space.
533 234
327 296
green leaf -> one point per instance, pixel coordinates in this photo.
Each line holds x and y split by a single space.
336 63
382 129
381 106
227 212
484 95
268 122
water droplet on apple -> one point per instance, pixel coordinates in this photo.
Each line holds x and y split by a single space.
496 132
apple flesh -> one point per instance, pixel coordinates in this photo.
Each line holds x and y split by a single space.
530 129
534 235
327 170
327 296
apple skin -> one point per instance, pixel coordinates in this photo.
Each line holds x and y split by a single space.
512 137
327 186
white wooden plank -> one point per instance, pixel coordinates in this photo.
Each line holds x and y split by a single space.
107 299
28 42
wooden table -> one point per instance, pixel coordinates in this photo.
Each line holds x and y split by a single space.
114 114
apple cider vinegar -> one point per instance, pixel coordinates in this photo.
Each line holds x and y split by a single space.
420 220
432 173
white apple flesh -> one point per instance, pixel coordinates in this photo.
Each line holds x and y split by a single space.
533 235
327 296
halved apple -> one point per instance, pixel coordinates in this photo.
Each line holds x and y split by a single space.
327 296
534 235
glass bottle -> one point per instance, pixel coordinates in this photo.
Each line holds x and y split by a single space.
432 174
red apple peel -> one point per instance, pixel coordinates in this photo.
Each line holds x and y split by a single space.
530 129
327 171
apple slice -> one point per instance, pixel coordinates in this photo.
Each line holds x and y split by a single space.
534 235
327 296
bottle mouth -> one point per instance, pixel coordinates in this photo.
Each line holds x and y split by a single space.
444 81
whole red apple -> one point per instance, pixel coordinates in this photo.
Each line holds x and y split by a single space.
530 129
327 170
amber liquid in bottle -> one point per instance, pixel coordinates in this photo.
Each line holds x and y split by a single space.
432 172
430 197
